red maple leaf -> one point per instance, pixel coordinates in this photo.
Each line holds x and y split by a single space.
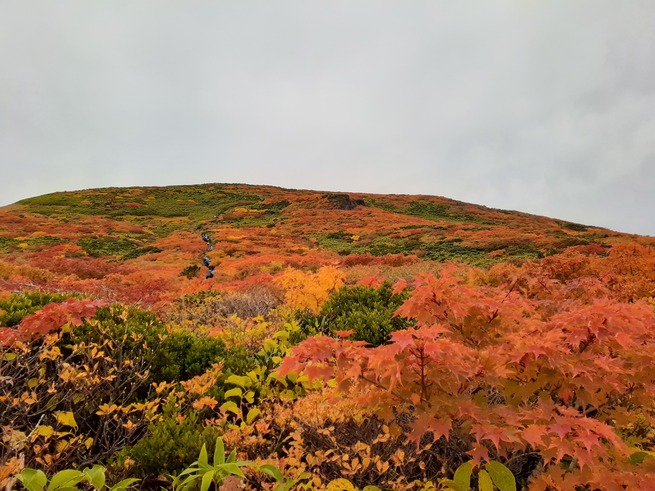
428 422
534 434
478 453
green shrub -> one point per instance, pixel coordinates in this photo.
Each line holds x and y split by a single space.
169 445
183 355
453 250
122 322
367 311
190 272
140 252
238 360
137 336
99 246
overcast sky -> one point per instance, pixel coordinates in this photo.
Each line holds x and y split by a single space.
543 106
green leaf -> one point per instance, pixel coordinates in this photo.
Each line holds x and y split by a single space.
202 458
250 396
189 470
501 476
272 471
235 392
65 478
96 476
219 452
239 380
462 479
252 414
233 456
484 481
207 480
33 479
186 483
123 485
639 456
230 406
233 468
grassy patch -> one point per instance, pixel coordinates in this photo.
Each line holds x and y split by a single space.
429 210
7 243
576 227
453 250
343 244
141 251
194 202
118 247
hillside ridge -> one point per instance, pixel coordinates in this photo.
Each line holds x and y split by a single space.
257 231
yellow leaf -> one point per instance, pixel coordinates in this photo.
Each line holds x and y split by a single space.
61 445
341 485
204 402
106 409
50 354
66 418
43 431
129 426
28 398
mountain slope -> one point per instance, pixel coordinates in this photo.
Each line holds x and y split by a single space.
346 339
152 235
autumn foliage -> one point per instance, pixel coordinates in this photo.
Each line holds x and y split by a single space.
484 366
346 340
310 290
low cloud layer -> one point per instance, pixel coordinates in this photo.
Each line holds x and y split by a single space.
546 107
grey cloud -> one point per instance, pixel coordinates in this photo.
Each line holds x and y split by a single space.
546 107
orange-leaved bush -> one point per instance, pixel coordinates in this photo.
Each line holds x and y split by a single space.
50 318
484 366
309 291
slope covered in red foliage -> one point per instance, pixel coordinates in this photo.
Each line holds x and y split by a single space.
346 339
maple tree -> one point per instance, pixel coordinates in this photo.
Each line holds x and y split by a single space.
484 367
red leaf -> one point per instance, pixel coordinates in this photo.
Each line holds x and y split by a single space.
478 453
400 286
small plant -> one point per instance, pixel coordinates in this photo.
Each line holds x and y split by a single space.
494 476
222 466
208 474
169 444
190 272
182 355
342 484
68 480
369 312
